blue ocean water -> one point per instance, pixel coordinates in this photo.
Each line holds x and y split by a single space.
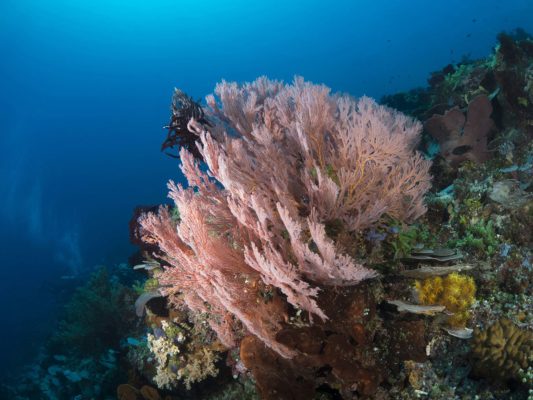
85 89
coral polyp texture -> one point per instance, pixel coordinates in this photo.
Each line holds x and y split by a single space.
455 291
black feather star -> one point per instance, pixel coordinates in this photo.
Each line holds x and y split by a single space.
184 108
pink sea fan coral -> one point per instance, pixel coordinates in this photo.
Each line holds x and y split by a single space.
284 162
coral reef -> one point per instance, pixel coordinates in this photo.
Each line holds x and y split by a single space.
514 74
483 209
90 323
84 357
269 250
285 268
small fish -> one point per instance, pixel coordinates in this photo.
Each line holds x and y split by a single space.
416 308
133 342
147 267
464 333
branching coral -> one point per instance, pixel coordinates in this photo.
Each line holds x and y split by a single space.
456 292
284 162
165 351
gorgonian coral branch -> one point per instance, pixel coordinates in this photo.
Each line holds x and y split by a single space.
285 164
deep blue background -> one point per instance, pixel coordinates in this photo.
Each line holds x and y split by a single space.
85 88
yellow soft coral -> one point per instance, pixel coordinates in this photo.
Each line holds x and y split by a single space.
456 292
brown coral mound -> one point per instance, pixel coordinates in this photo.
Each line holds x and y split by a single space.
150 393
127 392
353 352
499 352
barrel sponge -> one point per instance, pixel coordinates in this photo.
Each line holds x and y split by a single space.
502 350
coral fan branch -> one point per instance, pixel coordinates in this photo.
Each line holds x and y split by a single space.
284 161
